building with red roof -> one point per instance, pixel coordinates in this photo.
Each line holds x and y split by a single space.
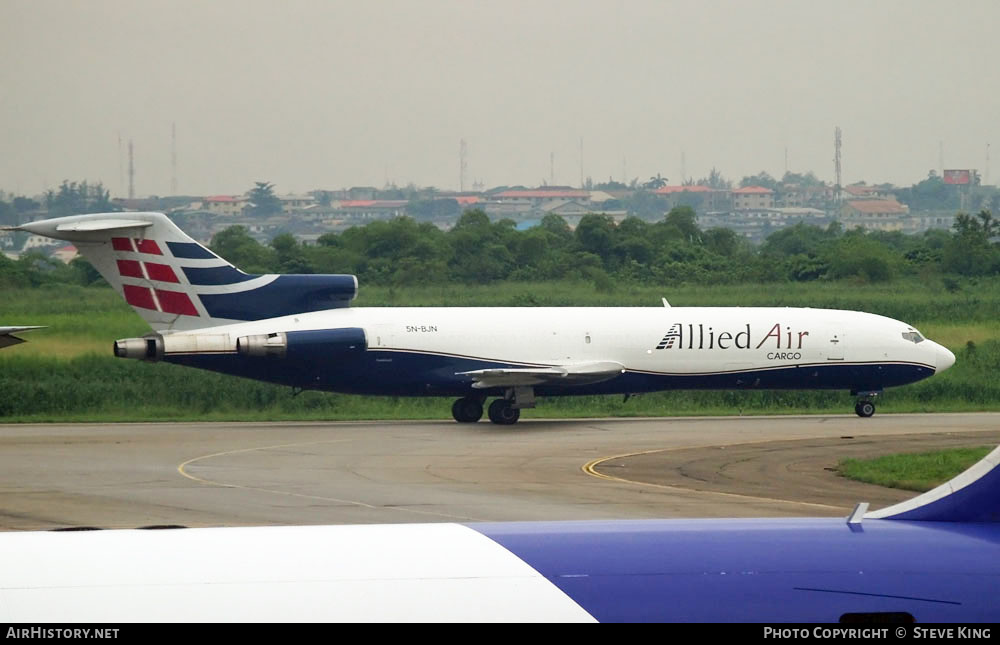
229 205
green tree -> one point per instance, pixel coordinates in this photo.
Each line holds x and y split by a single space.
263 201
8 215
684 220
806 179
595 234
74 198
235 245
971 250
715 180
862 256
655 182
760 179
290 255
931 194
25 204
480 251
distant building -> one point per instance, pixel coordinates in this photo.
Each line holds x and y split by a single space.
65 254
225 205
752 198
541 198
290 203
361 193
708 199
797 195
866 192
39 242
371 209
875 215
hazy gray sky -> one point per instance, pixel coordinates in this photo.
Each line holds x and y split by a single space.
327 94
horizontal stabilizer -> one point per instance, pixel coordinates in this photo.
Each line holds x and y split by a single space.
973 496
573 374
7 337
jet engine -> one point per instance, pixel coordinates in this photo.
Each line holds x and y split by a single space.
304 344
311 344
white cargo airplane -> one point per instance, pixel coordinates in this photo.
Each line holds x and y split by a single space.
299 330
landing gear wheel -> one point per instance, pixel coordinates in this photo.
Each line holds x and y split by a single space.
467 410
502 413
864 408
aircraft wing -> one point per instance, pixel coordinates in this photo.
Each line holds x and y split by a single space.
571 374
7 337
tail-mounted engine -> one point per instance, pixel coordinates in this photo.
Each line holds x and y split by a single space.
293 344
304 344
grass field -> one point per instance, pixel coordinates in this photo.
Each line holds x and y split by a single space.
918 472
66 372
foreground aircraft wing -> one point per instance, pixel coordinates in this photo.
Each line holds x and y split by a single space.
574 374
938 568
7 337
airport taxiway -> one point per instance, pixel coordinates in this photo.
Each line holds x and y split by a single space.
239 474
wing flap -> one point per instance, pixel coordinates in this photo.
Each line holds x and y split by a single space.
568 375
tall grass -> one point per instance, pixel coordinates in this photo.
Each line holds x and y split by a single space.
918 472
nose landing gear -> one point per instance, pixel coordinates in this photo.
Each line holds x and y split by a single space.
865 407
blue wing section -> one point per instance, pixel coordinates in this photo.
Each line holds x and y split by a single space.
814 570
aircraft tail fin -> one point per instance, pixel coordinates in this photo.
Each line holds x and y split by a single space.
972 496
177 284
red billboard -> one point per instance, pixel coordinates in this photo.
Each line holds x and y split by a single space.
958 176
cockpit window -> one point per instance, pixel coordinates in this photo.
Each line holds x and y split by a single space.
913 336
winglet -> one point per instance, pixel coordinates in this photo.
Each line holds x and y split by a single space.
972 496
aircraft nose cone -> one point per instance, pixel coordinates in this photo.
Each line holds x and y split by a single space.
945 358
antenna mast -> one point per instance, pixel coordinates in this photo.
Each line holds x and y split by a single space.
462 164
173 158
131 171
836 162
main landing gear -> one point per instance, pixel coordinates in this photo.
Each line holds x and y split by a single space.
865 407
502 412
505 411
467 409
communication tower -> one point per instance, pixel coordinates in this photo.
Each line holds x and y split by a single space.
836 162
463 151
131 171
173 158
